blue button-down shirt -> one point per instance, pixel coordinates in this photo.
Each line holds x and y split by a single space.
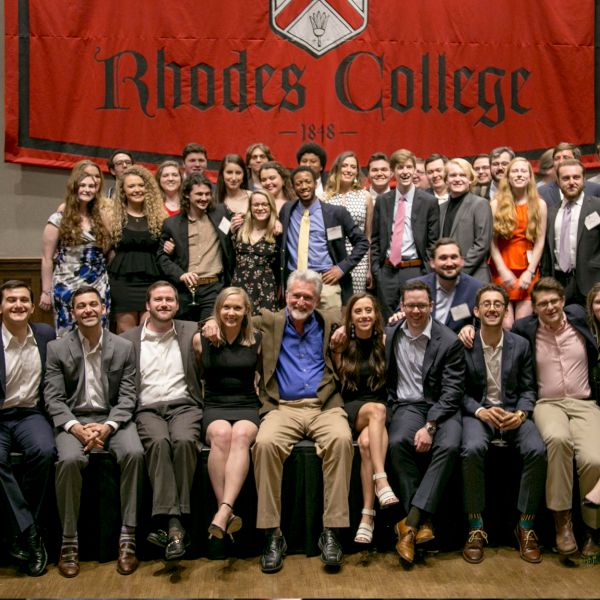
318 251
301 364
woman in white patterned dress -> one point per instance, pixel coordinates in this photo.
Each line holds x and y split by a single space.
344 188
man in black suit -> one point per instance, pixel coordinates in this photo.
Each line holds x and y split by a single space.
327 228
572 249
406 223
169 412
500 395
426 370
551 192
23 424
203 260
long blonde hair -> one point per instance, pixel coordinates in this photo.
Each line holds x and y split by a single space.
246 228
505 217
247 330
153 204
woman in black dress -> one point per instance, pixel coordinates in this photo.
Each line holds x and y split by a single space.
360 363
230 421
138 215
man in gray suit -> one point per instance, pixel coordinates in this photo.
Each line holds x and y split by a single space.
169 411
90 396
467 218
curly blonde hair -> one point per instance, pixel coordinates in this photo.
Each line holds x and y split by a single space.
70 231
505 217
332 187
153 204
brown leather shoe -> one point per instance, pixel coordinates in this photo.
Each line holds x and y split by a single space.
473 550
528 545
405 546
127 562
425 533
68 563
590 546
566 543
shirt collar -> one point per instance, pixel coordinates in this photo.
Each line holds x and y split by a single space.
7 336
148 334
579 200
545 327
439 288
86 345
426 332
409 195
487 346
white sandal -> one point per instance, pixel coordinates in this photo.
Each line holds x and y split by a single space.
385 495
364 533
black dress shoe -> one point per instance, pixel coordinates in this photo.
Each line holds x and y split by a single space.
275 548
159 538
17 548
38 557
176 545
331 550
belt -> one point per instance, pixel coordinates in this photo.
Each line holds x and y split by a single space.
206 280
403 264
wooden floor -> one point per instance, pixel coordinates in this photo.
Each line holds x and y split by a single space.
364 575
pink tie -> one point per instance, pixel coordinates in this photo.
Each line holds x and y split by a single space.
396 247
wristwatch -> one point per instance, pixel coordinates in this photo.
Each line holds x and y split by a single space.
431 427
522 415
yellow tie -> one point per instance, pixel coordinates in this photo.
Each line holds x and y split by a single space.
303 238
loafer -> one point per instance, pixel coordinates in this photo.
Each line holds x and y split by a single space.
473 549
529 548
159 538
127 562
405 546
176 545
590 546
37 559
331 550
275 548
68 563
425 533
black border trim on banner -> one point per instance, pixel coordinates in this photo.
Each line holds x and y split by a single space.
25 141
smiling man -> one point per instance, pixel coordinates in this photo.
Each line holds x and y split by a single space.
90 396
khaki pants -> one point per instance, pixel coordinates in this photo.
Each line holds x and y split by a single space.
331 297
279 430
570 428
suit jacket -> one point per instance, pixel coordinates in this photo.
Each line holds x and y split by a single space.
527 327
177 263
333 216
519 389
65 377
443 371
271 325
550 192
43 334
587 271
185 331
465 293
425 221
472 230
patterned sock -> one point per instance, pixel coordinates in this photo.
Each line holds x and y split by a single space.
413 518
526 521
475 521
127 535
70 540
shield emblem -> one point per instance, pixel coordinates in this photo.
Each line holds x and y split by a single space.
319 26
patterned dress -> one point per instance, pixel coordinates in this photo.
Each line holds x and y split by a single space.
255 267
355 203
76 266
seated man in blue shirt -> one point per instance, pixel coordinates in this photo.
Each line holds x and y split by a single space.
300 400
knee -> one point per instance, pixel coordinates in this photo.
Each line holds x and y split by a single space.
220 437
341 444
241 439
473 450
158 445
587 460
43 453
184 445
364 445
559 442
71 462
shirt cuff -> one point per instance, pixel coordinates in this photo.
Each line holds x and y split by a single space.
478 410
70 424
114 425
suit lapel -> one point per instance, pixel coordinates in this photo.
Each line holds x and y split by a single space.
479 360
430 351
107 355
462 209
507 361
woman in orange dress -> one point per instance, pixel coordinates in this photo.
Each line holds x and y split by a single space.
519 233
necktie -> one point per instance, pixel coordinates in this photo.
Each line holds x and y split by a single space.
397 235
564 252
303 238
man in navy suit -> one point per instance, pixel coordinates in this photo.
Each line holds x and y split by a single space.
500 396
406 223
328 229
23 424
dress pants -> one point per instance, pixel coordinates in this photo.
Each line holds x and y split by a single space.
422 491
124 445
205 301
170 433
279 430
28 431
570 427
476 437
389 286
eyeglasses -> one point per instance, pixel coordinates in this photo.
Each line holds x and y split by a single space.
420 307
548 303
122 163
488 304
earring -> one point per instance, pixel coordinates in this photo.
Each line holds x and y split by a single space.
352 331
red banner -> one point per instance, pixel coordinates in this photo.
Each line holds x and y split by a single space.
452 76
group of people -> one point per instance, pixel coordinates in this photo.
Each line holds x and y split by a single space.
488 341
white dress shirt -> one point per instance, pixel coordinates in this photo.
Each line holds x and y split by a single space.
575 211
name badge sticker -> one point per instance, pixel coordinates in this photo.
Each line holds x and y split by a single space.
592 220
225 225
460 311
334 233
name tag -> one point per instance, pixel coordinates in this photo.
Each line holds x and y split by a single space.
461 311
334 233
592 220
225 225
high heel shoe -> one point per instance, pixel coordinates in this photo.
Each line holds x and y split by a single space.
385 495
364 533
234 524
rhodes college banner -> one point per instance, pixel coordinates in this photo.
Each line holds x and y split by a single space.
458 76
